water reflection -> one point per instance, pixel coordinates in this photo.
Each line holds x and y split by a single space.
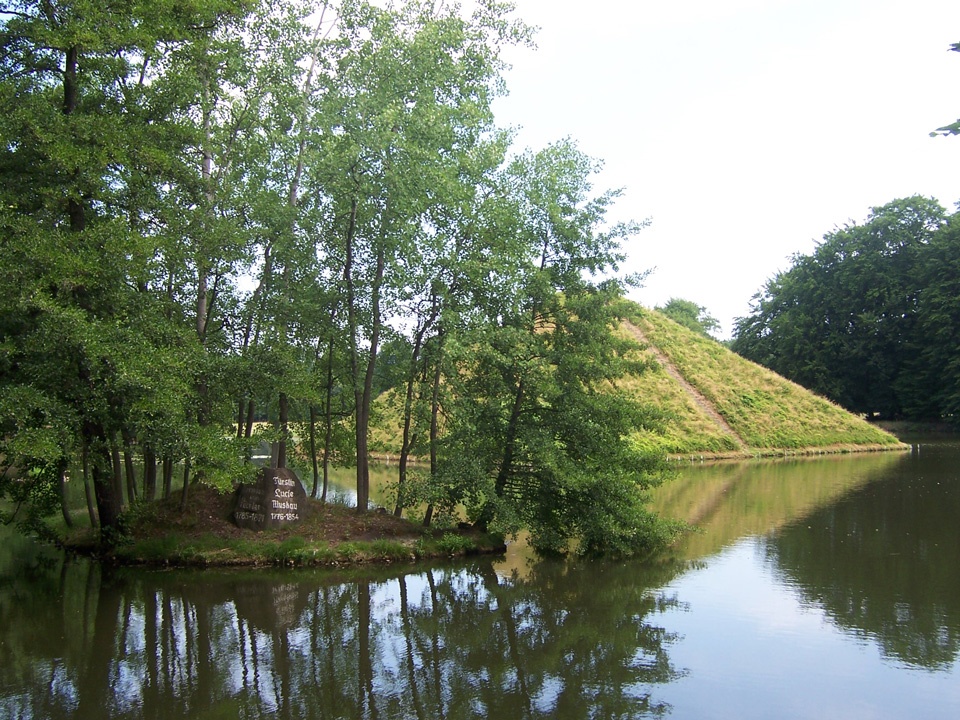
867 542
728 501
884 563
447 642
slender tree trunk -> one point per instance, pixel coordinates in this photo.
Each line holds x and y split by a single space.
284 429
149 474
131 475
313 449
241 404
251 410
71 90
186 483
359 430
117 464
328 422
363 427
87 490
435 419
407 440
62 487
206 172
167 476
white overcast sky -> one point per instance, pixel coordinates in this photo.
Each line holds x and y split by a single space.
744 129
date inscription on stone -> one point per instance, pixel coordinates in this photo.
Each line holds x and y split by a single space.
276 499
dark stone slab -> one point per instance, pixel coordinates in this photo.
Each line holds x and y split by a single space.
276 499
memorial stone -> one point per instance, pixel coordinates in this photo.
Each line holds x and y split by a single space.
276 499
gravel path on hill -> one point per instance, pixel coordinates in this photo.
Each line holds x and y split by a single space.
698 398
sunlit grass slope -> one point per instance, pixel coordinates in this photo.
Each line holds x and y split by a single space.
766 413
709 401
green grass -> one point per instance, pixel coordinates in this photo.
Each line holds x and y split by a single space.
767 411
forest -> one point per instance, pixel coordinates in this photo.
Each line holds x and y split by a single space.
235 221
870 319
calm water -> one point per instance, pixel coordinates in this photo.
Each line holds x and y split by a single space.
816 588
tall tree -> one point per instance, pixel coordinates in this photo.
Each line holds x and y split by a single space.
538 435
838 321
410 97
89 121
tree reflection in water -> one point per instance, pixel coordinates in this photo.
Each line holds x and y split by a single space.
885 563
568 640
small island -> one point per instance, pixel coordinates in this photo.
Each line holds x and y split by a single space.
205 535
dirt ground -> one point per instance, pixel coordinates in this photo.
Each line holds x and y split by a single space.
208 512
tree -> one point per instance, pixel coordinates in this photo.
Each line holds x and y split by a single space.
840 321
86 336
538 436
930 381
409 99
157 161
690 315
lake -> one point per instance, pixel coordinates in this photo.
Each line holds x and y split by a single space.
814 588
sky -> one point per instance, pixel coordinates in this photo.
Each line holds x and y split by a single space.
745 130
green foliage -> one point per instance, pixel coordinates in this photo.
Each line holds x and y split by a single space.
690 315
848 320
534 426
157 161
454 544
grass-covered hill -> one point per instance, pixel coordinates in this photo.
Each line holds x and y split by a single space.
714 402
709 401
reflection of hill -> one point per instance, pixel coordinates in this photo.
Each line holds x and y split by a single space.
727 501
886 564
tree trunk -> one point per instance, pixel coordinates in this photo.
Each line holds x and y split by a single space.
104 489
117 464
62 487
435 419
407 440
186 484
284 429
167 476
360 428
149 474
251 410
313 449
328 422
363 413
129 471
87 490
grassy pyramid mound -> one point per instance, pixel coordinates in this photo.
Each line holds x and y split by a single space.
712 401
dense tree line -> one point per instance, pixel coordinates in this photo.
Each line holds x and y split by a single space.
870 319
215 211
